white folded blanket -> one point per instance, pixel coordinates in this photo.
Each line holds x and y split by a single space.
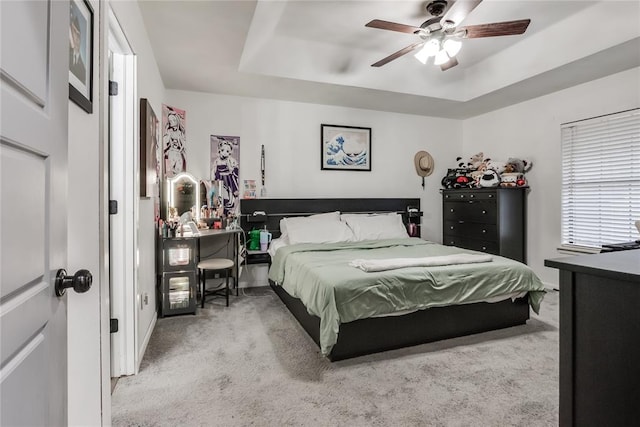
370 265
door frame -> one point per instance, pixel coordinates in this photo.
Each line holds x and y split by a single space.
103 213
123 277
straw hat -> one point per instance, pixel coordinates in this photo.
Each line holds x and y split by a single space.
424 163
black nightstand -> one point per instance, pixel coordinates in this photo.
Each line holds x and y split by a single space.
258 257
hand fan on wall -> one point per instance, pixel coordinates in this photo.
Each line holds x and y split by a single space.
263 190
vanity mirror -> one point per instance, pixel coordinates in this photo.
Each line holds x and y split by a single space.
183 193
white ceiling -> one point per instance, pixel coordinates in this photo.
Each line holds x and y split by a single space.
320 51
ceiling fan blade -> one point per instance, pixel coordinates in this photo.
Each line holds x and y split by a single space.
459 11
506 28
392 26
397 55
452 62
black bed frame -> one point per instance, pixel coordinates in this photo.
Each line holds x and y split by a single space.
377 334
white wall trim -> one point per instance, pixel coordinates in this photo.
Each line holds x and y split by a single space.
104 13
124 189
145 341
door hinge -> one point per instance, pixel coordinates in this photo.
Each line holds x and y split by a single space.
113 326
113 88
113 207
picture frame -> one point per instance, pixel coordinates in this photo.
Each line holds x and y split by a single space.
81 54
345 148
150 162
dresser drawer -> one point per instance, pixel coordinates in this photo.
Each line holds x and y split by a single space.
178 254
469 195
471 230
473 244
473 211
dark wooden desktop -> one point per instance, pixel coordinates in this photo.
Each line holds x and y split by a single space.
599 338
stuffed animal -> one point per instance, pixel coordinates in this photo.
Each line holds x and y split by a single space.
449 179
515 164
497 166
477 165
476 161
457 178
512 179
490 178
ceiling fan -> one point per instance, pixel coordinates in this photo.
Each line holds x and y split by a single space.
441 35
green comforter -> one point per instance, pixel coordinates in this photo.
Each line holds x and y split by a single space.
319 275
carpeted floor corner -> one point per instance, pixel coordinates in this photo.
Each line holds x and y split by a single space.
252 364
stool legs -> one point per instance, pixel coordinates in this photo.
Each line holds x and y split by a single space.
226 276
202 277
203 274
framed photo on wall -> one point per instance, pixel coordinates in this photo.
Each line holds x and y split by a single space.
81 54
149 151
345 148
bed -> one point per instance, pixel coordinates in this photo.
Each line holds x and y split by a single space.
349 312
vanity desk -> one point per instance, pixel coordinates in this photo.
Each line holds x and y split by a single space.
599 338
178 259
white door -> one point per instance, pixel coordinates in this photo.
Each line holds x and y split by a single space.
34 51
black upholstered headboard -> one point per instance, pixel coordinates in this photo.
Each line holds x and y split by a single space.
276 209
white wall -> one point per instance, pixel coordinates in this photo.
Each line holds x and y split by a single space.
84 322
83 310
532 130
150 86
290 132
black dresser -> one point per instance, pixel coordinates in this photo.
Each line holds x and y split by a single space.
491 220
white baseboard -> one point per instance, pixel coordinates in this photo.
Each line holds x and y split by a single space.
254 275
145 342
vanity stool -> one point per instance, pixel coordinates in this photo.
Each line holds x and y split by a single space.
216 265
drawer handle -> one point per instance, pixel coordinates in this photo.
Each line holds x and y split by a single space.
472 196
460 222
484 212
451 242
484 248
446 197
484 231
451 227
491 196
462 196
452 210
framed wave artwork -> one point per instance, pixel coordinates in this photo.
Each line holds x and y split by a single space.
345 148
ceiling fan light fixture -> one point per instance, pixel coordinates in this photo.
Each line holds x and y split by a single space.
452 47
430 48
422 56
441 57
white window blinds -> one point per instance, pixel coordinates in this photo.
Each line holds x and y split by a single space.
601 179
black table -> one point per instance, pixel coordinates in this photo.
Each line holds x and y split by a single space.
599 338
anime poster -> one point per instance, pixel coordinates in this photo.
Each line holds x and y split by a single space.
225 168
174 141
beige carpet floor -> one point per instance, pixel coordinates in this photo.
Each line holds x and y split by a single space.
252 364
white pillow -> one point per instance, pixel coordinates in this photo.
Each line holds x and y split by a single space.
318 231
376 227
284 222
344 217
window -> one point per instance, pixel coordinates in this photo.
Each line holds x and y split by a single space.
601 179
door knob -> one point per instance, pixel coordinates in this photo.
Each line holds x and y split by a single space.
80 282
